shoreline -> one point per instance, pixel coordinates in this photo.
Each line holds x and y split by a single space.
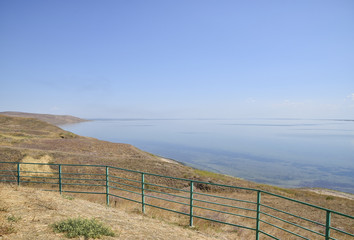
166 159
318 190
330 192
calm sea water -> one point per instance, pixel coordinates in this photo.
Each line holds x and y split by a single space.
282 152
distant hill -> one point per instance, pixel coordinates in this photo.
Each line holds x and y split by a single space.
30 137
49 118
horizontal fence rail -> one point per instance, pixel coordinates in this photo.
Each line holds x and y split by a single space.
265 213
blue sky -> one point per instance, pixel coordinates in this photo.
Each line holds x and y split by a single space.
178 59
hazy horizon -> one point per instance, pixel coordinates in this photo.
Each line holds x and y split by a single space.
178 59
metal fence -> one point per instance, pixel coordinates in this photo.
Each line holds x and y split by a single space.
268 215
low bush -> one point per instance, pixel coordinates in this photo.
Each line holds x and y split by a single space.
13 218
89 228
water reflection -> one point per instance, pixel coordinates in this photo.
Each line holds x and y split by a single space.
283 152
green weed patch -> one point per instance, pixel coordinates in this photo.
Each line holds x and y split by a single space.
88 228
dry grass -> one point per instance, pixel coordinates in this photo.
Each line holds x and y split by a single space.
36 170
230 232
53 119
223 231
220 230
31 140
37 210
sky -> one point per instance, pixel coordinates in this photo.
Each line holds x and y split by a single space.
178 59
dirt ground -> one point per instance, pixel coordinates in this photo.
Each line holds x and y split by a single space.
29 213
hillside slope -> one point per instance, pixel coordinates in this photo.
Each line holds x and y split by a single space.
32 140
49 118
29 137
29 213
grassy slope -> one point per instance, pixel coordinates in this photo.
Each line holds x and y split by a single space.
27 213
23 138
20 137
53 119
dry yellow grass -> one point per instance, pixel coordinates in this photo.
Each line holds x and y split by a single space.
31 170
230 232
208 230
30 140
53 119
34 211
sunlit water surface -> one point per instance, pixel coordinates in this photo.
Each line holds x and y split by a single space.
282 152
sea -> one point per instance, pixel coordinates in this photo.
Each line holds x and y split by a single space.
291 153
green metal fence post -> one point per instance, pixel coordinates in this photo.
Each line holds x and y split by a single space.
107 186
18 174
142 192
60 185
260 208
328 225
191 205
258 213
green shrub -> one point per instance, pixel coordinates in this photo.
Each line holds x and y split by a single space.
68 197
13 218
89 228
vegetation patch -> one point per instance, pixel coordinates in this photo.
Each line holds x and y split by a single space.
212 175
68 197
329 198
13 218
7 226
88 228
6 229
67 135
